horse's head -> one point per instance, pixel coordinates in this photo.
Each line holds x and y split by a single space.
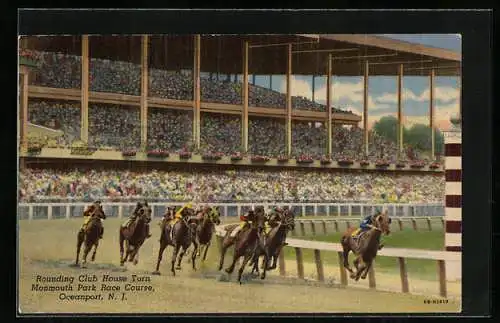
144 212
170 211
188 214
259 221
98 211
214 215
383 222
288 219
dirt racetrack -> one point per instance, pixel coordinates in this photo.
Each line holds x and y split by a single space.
47 248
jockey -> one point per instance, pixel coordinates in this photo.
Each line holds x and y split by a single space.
87 215
178 214
367 222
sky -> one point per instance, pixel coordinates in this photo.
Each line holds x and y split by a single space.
348 91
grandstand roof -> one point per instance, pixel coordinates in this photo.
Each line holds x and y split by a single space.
224 53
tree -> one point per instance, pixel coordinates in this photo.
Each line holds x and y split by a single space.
419 137
387 127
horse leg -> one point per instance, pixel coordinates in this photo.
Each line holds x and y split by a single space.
163 245
95 250
265 263
79 241
236 256
255 264
136 257
359 269
345 255
174 257
195 254
222 255
205 251
242 267
183 251
122 238
367 269
85 253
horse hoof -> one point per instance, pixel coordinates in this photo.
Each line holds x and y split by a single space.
135 262
262 276
156 273
178 268
353 276
228 271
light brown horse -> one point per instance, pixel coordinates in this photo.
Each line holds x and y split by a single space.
365 246
245 243
90 235
135 234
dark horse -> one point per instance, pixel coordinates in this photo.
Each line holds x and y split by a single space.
135 234
205 230
366 246
90 235
275 239
246 241
180 235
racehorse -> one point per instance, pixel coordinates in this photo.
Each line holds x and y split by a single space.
275 239
90 235
135 234
180 235
246 241
366 246
205 230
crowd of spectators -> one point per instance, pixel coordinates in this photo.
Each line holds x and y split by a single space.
61 70
118 127
228 185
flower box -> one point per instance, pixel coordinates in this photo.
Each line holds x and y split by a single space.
364 163
157 153
283 159
27 58
34 149
400 164
185 155
345 162
259 159
236 157
382 164
129 153
325 161
82 150
434 165
305 161
417 166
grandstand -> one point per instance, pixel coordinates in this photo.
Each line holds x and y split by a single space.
197 100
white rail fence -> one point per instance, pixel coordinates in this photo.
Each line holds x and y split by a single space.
441 257
68 210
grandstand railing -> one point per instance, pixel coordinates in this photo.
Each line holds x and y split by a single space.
75 209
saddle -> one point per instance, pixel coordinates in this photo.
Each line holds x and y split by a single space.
357 233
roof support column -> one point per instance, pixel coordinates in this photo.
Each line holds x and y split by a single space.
365 107
244 115
196 90
431 112
144 92
329 113
289 100
400 112
84 114
23 108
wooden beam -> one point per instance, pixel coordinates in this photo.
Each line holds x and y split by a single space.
431 112
365 107
244 115
289 101
23 109
84 115
400 110
144 92
329 112
197 92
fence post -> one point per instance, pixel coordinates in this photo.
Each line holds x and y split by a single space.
328 210
338 210
225 211
30 212
343 273
49 212
120 211
371 276
429 225
442 278
313 228
315 209
414 223
300 262
281 262
302 229
361 211
348 223
303 210
404 275
349 210
336 224
324 227
442 221
67 211
400 225
319 265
